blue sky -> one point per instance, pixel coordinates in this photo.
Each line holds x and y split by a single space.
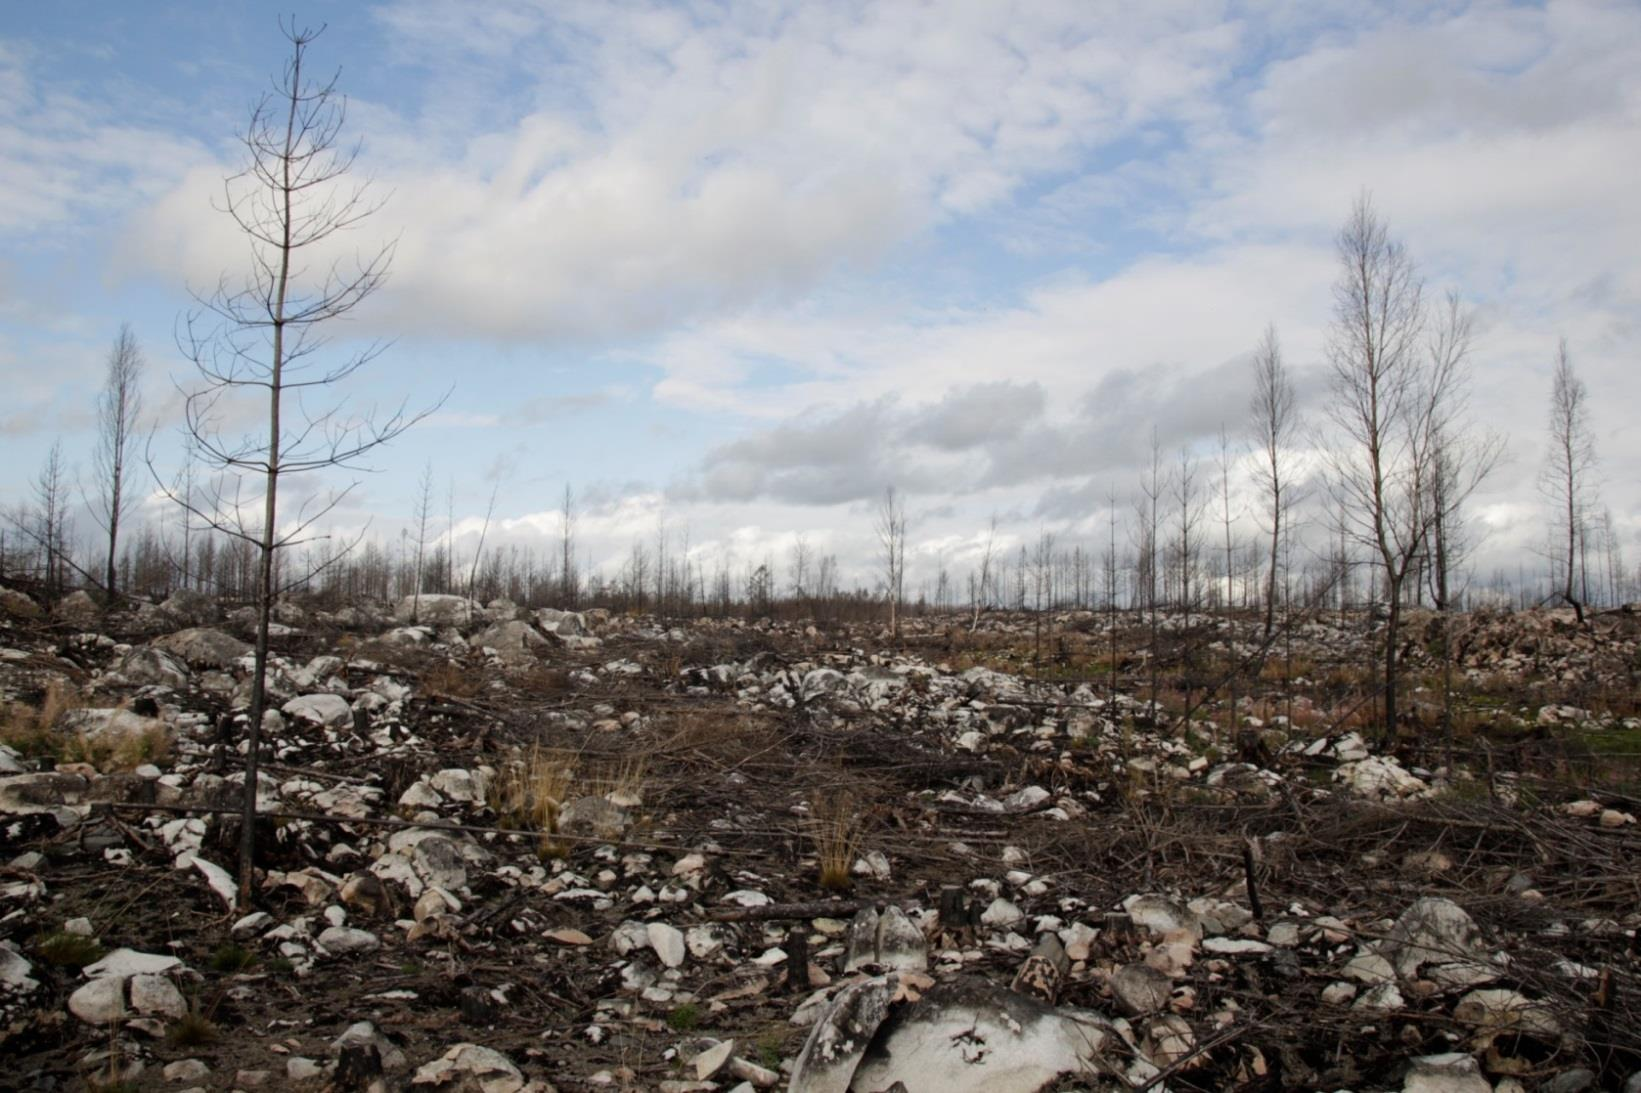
737 267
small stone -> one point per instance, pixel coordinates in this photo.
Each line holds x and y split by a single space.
251 925
185 1070
340 940
470 1066
668 943
709 1062
1338 993
126 962
157 996
99 1002
753 1074
1001 913
298 1068
1140 989
1454 1072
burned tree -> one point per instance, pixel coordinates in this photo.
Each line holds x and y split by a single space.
258 337
1388 401
890 525
119 405
1566 474
1273 418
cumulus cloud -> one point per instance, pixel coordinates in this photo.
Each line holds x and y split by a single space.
671 164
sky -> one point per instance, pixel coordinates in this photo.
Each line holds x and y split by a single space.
735 268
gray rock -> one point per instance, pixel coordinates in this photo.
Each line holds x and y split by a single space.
439 610
18 605
185 1070
299 1068
99 1002
1576 1080
203 647
469 1068
512 640
1432 931
326 710
594 817
190 606
710 1062
343 940
77 606
150 667
127 962
970 1036
157 996
1140 989
900 944
668 943
40 791
1453 1072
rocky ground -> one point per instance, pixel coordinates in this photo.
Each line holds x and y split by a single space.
505 850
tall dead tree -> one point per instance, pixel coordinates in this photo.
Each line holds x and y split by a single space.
1273 419
48 524
119 405
1389 402
1566 474
890 526
1460 456
423 513
257 337
980 587
566 574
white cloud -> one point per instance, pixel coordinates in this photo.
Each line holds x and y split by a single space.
671 166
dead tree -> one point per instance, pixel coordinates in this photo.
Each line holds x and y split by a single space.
890 526
1386 405
119 406
257 338
424 511
566 575
1567 469
980 587
48 525
1273 419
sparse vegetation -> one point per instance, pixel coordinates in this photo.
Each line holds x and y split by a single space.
684 1017
192 1029
529 793
836 832
31 729
230 957
66 950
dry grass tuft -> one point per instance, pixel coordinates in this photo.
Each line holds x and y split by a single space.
529 794
835 828
30 730
33 731
449 679
114 750
621 780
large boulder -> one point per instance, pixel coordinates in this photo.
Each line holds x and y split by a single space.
77 606
437 610
203 647
41 791
562 624
18 605
191 606
147 666
325 710
964 1036
512 640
